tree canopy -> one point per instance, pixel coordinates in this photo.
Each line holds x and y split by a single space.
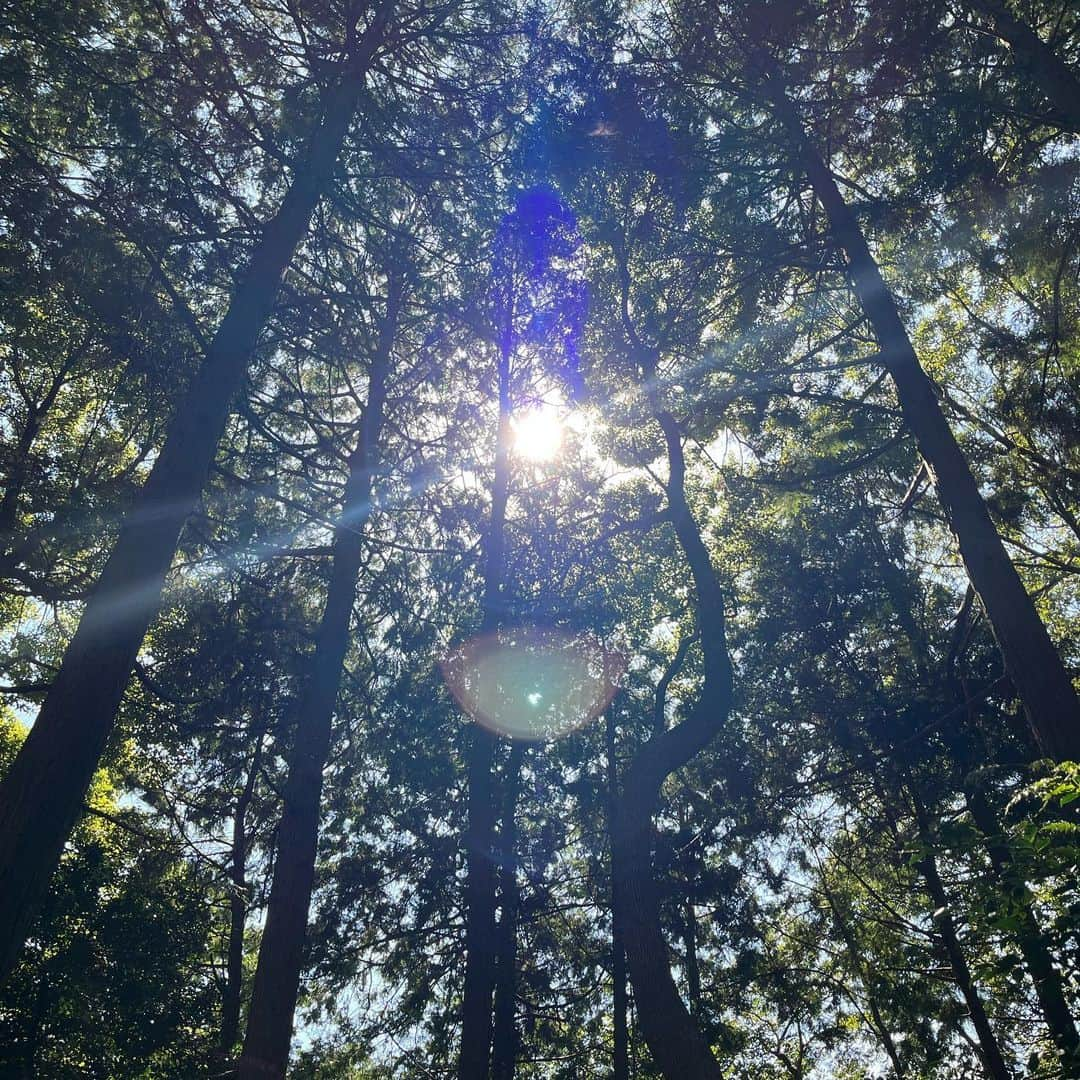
540 539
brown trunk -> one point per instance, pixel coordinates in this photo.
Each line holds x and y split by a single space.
990 1051
1057 81
281 951
480 939
42 794
1033 664
238 907
620 1030
504 1040
678 1047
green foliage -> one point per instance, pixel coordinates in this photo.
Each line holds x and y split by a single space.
874 741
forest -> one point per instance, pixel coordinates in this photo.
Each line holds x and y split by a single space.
540 539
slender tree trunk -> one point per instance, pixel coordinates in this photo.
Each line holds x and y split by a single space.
693 971
620 1030
281 951
480 936
690 940
992 1058
678 1047
1057 81
13 488
1046 979
238 908
21 460
1033 664
42 794
856 959
504 1042
11 550
1049 985
989 1050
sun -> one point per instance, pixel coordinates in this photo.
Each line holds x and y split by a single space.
538 434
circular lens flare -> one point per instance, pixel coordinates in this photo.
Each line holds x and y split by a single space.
538 434
532 683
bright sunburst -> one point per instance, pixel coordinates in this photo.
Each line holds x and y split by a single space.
538 434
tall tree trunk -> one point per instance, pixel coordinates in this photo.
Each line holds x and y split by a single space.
504 1041
1058 82
992 1058
238 908
281 951
42 794
480 938
620 1029
1033 664
677 1045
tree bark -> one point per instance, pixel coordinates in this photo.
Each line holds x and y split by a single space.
678 1047
281 951
1047 980
881 1029
693 972
1034 948
992 1058
620 1029
238 908
20 463
1031 660
504 1041
1057 81
42 794
480 937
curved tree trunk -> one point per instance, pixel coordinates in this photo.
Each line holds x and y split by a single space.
42 794
281 951
1058 82
677 1045
1033 663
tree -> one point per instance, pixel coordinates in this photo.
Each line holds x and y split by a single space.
78 714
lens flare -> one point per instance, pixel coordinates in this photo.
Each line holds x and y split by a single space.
532 683
538 435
